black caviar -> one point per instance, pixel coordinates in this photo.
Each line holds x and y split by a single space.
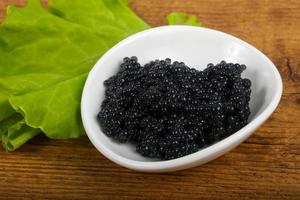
169 110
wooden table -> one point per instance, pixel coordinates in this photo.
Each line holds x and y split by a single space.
266 166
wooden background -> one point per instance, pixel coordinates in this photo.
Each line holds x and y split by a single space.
266 166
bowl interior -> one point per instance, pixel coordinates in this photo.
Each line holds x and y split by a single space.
196 47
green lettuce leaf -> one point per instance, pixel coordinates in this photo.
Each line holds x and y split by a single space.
45 56
17 135
179 18
57 111
44 60
104 16
8 122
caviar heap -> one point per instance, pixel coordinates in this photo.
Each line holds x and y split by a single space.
168 110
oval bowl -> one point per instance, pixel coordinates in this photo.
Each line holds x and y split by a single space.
196 47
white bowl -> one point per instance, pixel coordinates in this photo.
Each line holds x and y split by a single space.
196 47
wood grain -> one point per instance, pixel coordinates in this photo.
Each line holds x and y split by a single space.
266 166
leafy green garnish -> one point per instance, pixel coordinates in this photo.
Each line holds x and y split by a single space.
179 18
45 56
18 134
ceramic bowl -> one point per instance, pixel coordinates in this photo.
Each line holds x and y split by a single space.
196 47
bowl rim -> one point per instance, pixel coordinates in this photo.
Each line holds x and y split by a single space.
204 153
